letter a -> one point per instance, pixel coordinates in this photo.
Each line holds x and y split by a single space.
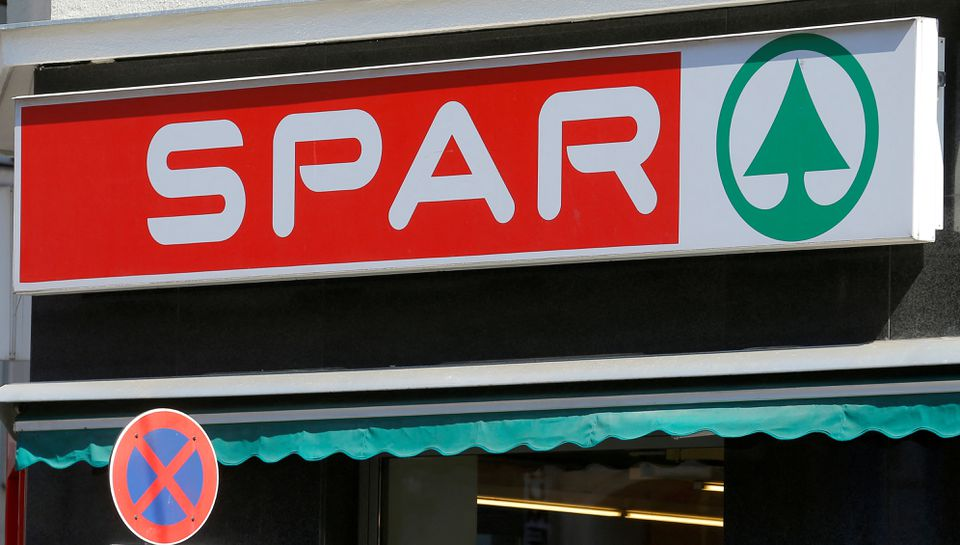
483 182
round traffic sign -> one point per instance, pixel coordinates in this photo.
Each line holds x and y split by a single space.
163 476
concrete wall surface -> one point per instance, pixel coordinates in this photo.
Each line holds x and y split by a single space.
38 10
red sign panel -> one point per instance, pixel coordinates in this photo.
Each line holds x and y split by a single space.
349 173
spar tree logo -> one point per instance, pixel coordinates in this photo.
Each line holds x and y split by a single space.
797 143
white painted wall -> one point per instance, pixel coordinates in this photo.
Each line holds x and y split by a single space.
73 9
38 10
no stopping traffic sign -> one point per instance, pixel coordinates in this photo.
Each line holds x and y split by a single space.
163 476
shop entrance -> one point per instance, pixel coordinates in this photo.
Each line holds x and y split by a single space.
660 491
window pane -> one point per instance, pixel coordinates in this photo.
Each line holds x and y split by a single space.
611 497
666 496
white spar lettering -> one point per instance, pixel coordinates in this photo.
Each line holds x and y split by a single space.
452 121
315 127
483 182
623 158
195 182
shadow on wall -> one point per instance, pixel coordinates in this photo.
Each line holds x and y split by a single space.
638 307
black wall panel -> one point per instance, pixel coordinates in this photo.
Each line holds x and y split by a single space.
257 504
818 491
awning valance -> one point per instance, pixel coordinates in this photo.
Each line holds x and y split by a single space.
501 432
503 406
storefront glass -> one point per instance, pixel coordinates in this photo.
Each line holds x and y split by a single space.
656 496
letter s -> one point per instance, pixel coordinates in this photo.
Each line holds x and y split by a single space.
196 182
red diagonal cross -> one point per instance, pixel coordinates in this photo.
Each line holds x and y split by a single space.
165 474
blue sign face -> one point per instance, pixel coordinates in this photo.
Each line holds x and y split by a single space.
170 470
164 476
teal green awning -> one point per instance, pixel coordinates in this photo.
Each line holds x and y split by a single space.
496 433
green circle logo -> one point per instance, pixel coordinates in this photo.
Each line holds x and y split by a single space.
798 143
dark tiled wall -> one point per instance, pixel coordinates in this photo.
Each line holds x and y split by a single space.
290 502
639 307
818 491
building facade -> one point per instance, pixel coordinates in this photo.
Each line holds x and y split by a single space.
798 395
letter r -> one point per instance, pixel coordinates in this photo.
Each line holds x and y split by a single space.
623 158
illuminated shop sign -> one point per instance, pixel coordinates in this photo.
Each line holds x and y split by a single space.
818 137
